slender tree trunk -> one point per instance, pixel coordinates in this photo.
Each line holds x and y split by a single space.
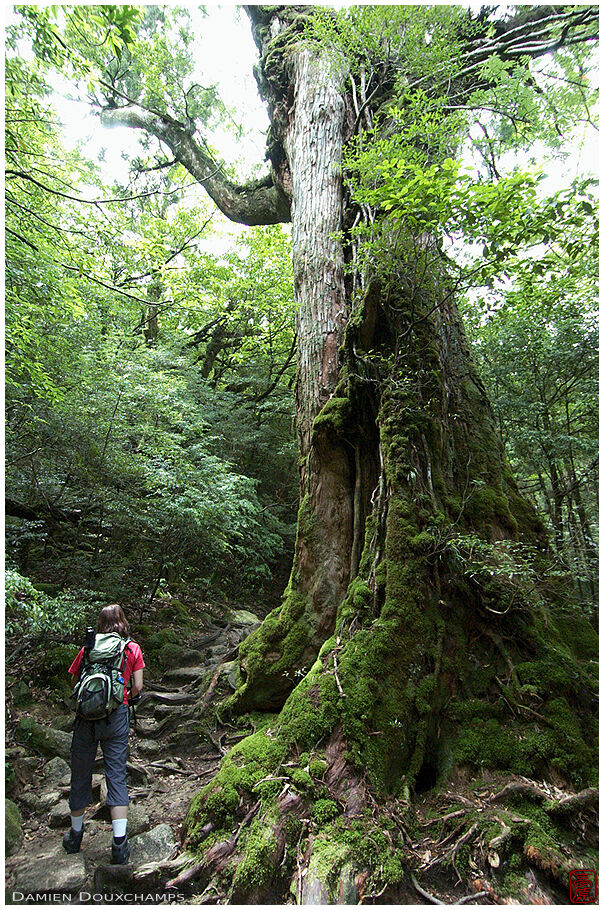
150 315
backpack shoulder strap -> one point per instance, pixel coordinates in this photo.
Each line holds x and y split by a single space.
125 651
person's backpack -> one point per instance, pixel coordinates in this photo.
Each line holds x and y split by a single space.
100 687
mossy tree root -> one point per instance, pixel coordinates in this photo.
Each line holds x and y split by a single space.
321 837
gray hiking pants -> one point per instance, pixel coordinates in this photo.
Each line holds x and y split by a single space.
112 734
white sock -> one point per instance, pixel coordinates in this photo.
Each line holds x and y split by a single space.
77 822
119 826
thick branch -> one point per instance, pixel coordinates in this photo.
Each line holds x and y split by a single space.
256 202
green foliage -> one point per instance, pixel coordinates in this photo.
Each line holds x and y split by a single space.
32 614
160 455
535 339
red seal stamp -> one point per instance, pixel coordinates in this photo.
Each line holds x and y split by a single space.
583 886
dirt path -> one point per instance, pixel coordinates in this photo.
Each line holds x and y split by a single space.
173 752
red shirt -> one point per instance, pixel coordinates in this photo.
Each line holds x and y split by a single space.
134 661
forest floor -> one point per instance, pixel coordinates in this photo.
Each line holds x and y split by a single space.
164 772
176 746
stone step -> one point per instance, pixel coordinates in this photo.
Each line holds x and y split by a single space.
186 674
191 658
146 727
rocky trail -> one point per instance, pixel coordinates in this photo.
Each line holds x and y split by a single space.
175 747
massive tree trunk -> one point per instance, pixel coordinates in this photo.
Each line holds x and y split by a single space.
312 141
416 640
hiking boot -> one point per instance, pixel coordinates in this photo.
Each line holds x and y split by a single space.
72 840
120 853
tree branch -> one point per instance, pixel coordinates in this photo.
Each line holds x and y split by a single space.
257 202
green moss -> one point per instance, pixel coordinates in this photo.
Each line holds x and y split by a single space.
423 693
271 654
335 418
256 870
175 612
424 542
317 767
301 780
170 654
250 761
21 693
488 505
324 811
157 640
485 743
360 844
328 857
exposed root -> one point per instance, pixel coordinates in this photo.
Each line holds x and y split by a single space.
519 788
450 853
474 897
486 840
186 877
575 802
549 862
167 698
429 897
207 698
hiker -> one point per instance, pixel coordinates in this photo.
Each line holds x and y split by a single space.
100 673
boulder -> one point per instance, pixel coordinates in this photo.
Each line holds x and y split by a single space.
51 869
13 831
138 820
244 618
15 752
113 879
26 769
43 739
39 802
63 722
149 746
60 816
57 771
153 846
21 694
